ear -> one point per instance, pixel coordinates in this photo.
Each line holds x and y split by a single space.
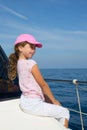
20 48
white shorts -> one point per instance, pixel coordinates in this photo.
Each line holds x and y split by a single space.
39 107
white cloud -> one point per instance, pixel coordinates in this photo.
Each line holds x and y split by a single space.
13 12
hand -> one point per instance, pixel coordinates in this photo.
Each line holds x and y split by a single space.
57 103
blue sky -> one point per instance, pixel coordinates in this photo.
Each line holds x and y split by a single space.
61 25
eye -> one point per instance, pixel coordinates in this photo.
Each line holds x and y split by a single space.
32 46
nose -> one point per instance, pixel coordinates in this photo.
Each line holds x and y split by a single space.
33 49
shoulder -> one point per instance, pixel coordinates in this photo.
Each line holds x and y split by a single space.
26 63
31 61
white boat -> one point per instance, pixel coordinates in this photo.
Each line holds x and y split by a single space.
13 118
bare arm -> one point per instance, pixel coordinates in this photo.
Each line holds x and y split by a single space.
44 86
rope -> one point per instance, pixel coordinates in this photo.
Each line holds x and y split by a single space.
82 88
69 81
79 104
77 111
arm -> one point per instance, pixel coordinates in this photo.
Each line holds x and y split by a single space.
44 86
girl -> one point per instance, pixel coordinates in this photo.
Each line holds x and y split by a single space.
35 90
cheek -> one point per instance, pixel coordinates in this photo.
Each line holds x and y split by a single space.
29 54
34 51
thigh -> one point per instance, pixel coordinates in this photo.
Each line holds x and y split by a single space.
38 107
51 110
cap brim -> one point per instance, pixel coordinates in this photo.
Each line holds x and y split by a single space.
39 45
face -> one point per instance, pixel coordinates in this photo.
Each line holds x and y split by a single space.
27 51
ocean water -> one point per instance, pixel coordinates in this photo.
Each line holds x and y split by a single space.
65 92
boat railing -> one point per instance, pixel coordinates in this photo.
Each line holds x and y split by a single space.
77 84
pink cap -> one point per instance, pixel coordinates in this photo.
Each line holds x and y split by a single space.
29 38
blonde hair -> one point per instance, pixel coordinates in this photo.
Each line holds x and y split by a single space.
13 58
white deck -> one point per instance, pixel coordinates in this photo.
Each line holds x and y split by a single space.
12 118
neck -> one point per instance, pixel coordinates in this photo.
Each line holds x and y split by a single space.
22 57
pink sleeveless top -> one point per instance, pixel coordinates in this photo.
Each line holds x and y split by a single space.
28 85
